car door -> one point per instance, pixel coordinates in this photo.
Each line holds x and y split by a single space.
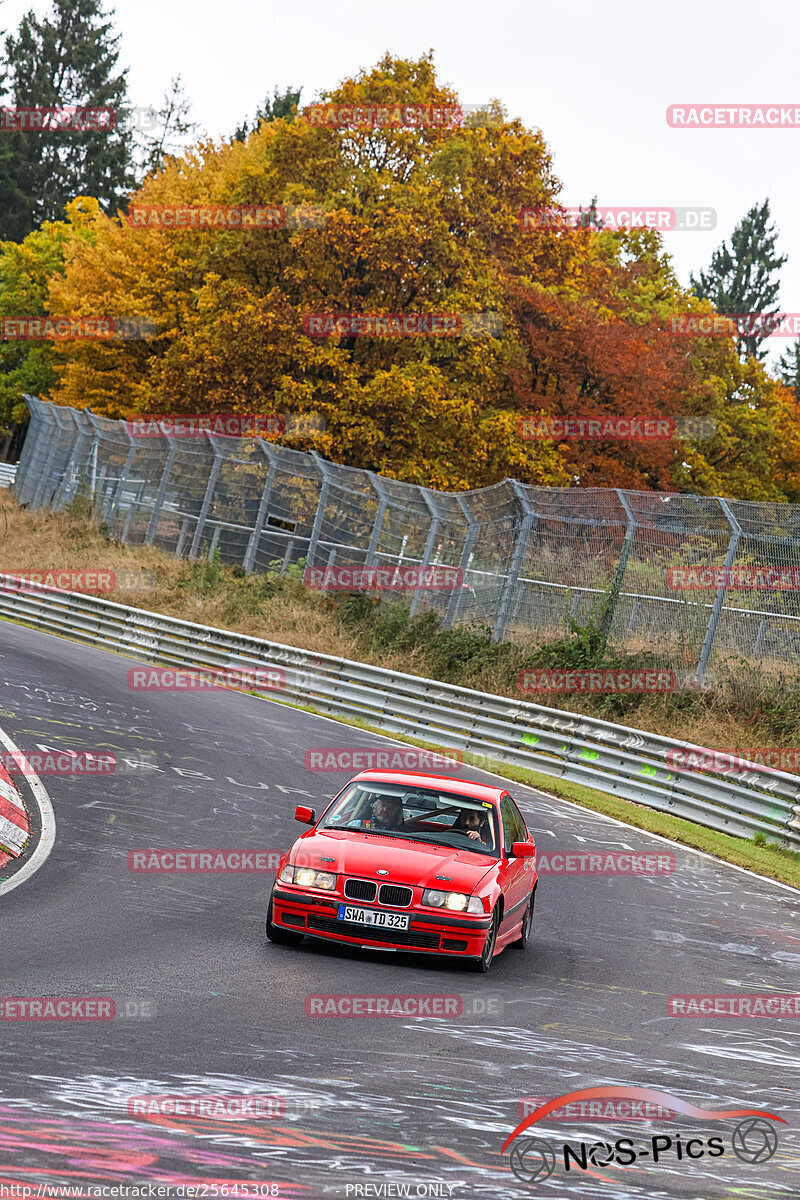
516 874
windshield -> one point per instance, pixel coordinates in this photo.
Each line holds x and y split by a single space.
416 814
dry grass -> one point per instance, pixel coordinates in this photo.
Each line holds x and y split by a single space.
743 713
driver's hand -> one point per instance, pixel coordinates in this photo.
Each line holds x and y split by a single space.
473 833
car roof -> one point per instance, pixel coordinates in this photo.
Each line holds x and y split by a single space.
460 787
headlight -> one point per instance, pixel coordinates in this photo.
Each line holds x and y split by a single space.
287 875
305 877
455 901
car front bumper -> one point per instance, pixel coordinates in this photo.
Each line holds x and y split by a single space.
429 932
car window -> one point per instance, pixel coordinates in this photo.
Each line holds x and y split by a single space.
508 823
514 829
521 834
420 815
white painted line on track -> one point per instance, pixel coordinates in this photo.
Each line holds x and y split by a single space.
47 818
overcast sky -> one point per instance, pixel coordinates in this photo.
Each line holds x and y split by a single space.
596 77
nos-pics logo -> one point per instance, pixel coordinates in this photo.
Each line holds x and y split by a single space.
534 1159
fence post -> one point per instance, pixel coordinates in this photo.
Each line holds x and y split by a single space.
619 574
207 498
63 491
97 433
383 503
457 599
25 484
162 488
719 599
263 507
516 561
123 478
38 499
430 542
313 541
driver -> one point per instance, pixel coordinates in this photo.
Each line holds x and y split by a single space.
387 813
474 824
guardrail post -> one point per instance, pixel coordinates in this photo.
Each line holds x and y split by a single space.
263 507
207 498
383 503
516 561
456 601
616 585
427 553
719 599
162 488
313 541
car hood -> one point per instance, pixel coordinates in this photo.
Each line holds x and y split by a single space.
407 862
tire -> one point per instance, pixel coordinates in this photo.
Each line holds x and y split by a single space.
524 939
279 935
484 963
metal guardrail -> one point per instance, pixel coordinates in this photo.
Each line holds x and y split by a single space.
624 762
8 473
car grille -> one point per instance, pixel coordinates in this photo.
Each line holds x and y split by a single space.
368 933
397 897
360 889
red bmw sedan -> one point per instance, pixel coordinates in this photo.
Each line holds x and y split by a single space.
405 861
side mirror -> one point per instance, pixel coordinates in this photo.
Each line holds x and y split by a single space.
306 815
523 850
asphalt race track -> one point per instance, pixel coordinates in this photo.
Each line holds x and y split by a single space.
205 1006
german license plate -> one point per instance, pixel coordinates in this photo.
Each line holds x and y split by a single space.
368 916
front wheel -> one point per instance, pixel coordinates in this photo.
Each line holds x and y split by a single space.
279 935
484 963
